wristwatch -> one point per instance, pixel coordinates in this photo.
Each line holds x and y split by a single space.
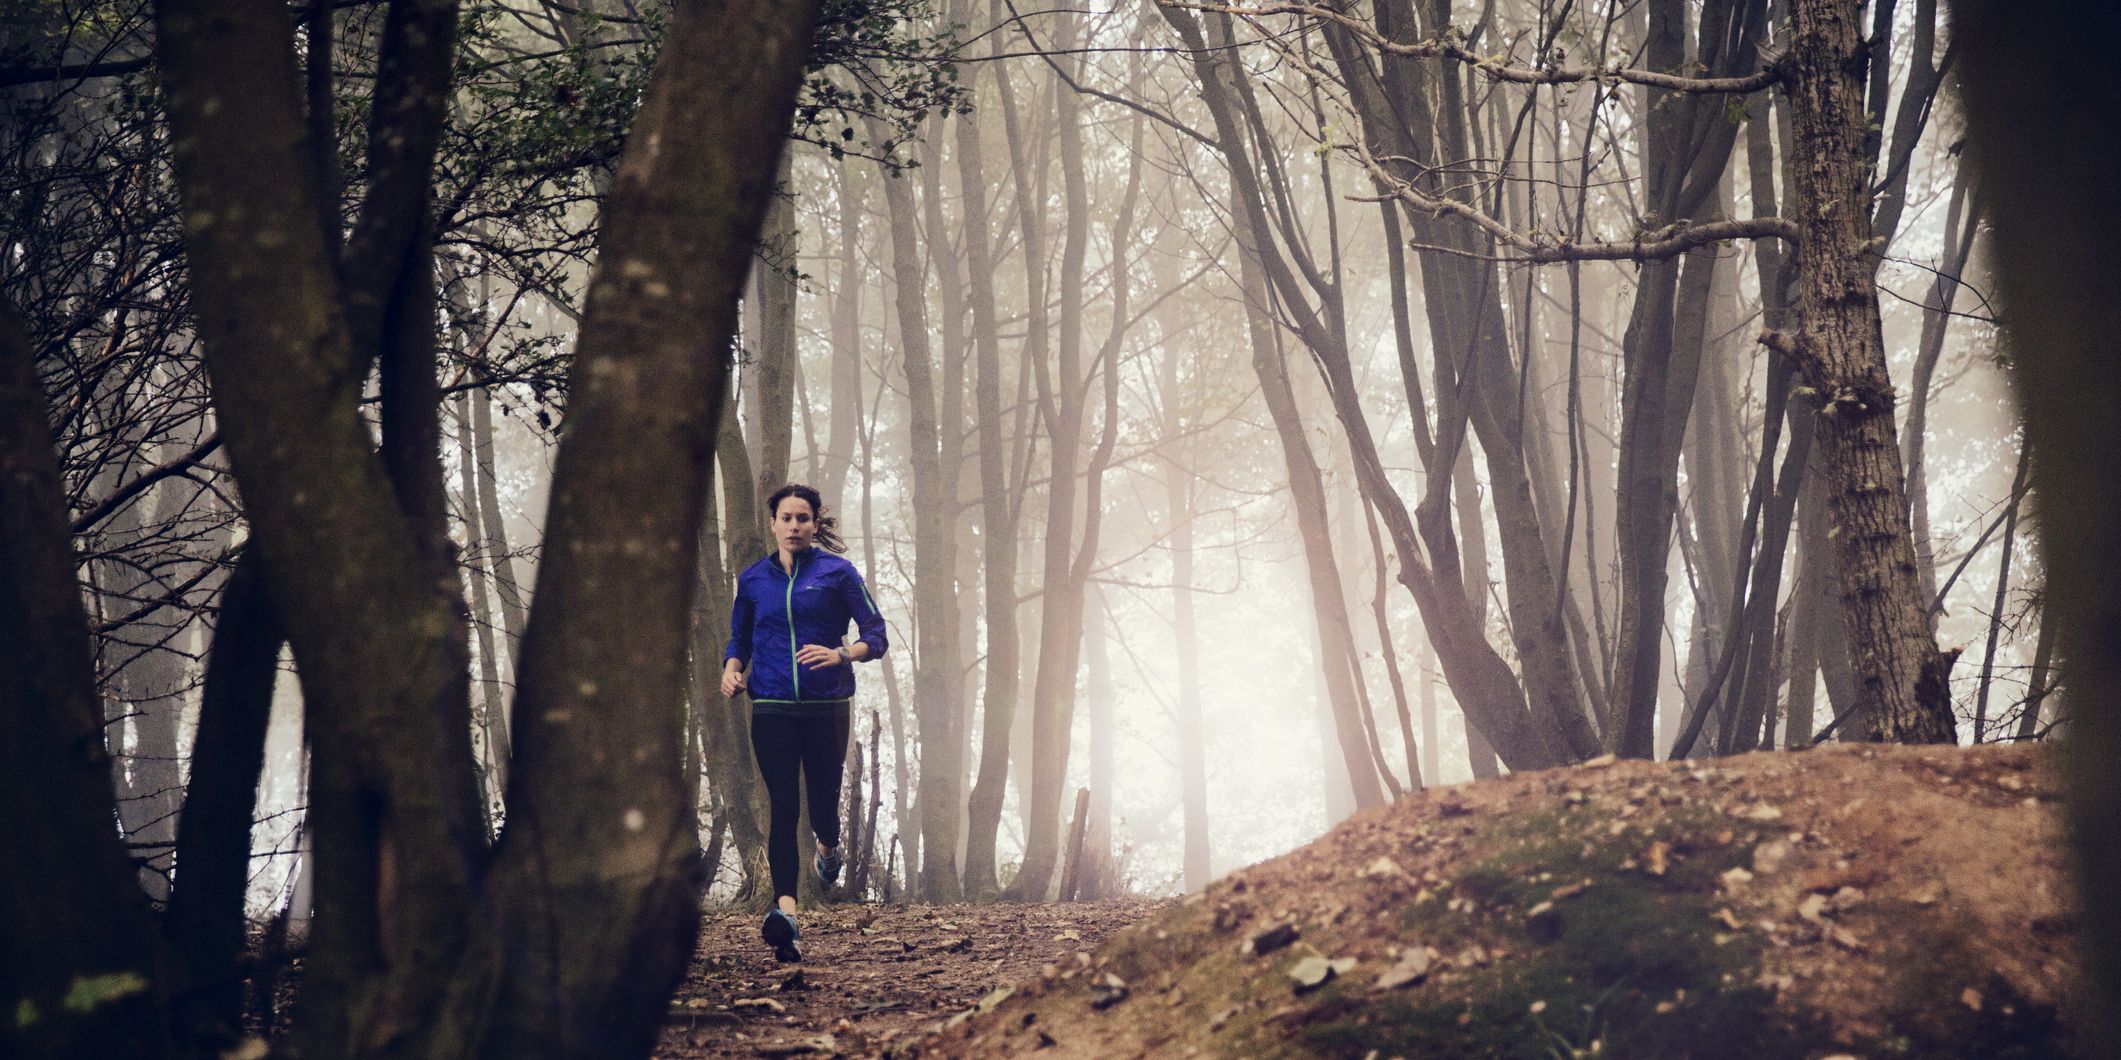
844 656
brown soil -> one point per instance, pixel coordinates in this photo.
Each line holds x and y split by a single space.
1873 901
871 975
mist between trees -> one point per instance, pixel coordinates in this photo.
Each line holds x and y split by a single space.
1244 414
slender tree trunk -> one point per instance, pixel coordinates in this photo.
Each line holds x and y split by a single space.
1929 350
2006 547
2042 684
725 724
844 424
937 708
998 543
1097 833
493 528
492 716
205 921
1061 393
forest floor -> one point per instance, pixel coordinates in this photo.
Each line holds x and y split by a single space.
1849 901
871 974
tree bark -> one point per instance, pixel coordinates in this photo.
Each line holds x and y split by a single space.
1902 677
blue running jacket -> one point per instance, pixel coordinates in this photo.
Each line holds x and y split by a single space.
777 612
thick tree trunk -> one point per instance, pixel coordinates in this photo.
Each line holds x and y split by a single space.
81 916
773 364
598 735
393 814
2026 92
1901 676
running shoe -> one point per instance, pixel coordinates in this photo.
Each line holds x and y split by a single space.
780 932
828 867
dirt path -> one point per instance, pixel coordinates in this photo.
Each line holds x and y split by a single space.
871 975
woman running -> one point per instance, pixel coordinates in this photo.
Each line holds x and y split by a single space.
789 622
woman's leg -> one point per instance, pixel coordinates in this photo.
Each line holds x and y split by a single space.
824 750
777 742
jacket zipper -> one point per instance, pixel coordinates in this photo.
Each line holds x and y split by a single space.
795 669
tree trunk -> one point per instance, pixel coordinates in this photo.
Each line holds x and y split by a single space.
1902 677
1061 392
998 543
1929 350
937 708
2025 92
492 715
1687 146
81 916
725 724
773 361
844 422
493 528
2005 548
205 922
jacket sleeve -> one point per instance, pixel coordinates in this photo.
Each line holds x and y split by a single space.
867 619
742 616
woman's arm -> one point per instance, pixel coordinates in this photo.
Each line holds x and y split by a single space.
742 616
867 618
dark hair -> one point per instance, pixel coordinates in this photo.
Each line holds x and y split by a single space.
828 536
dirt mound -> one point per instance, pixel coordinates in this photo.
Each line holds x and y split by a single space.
1877 901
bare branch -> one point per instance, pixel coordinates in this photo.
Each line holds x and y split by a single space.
1446 47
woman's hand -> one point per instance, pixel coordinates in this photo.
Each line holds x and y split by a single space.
733 680
819 656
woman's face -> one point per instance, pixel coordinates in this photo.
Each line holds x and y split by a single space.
794 524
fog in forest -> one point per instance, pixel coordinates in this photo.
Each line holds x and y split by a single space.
1244 415
1189 422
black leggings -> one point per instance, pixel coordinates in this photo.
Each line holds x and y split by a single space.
815 744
